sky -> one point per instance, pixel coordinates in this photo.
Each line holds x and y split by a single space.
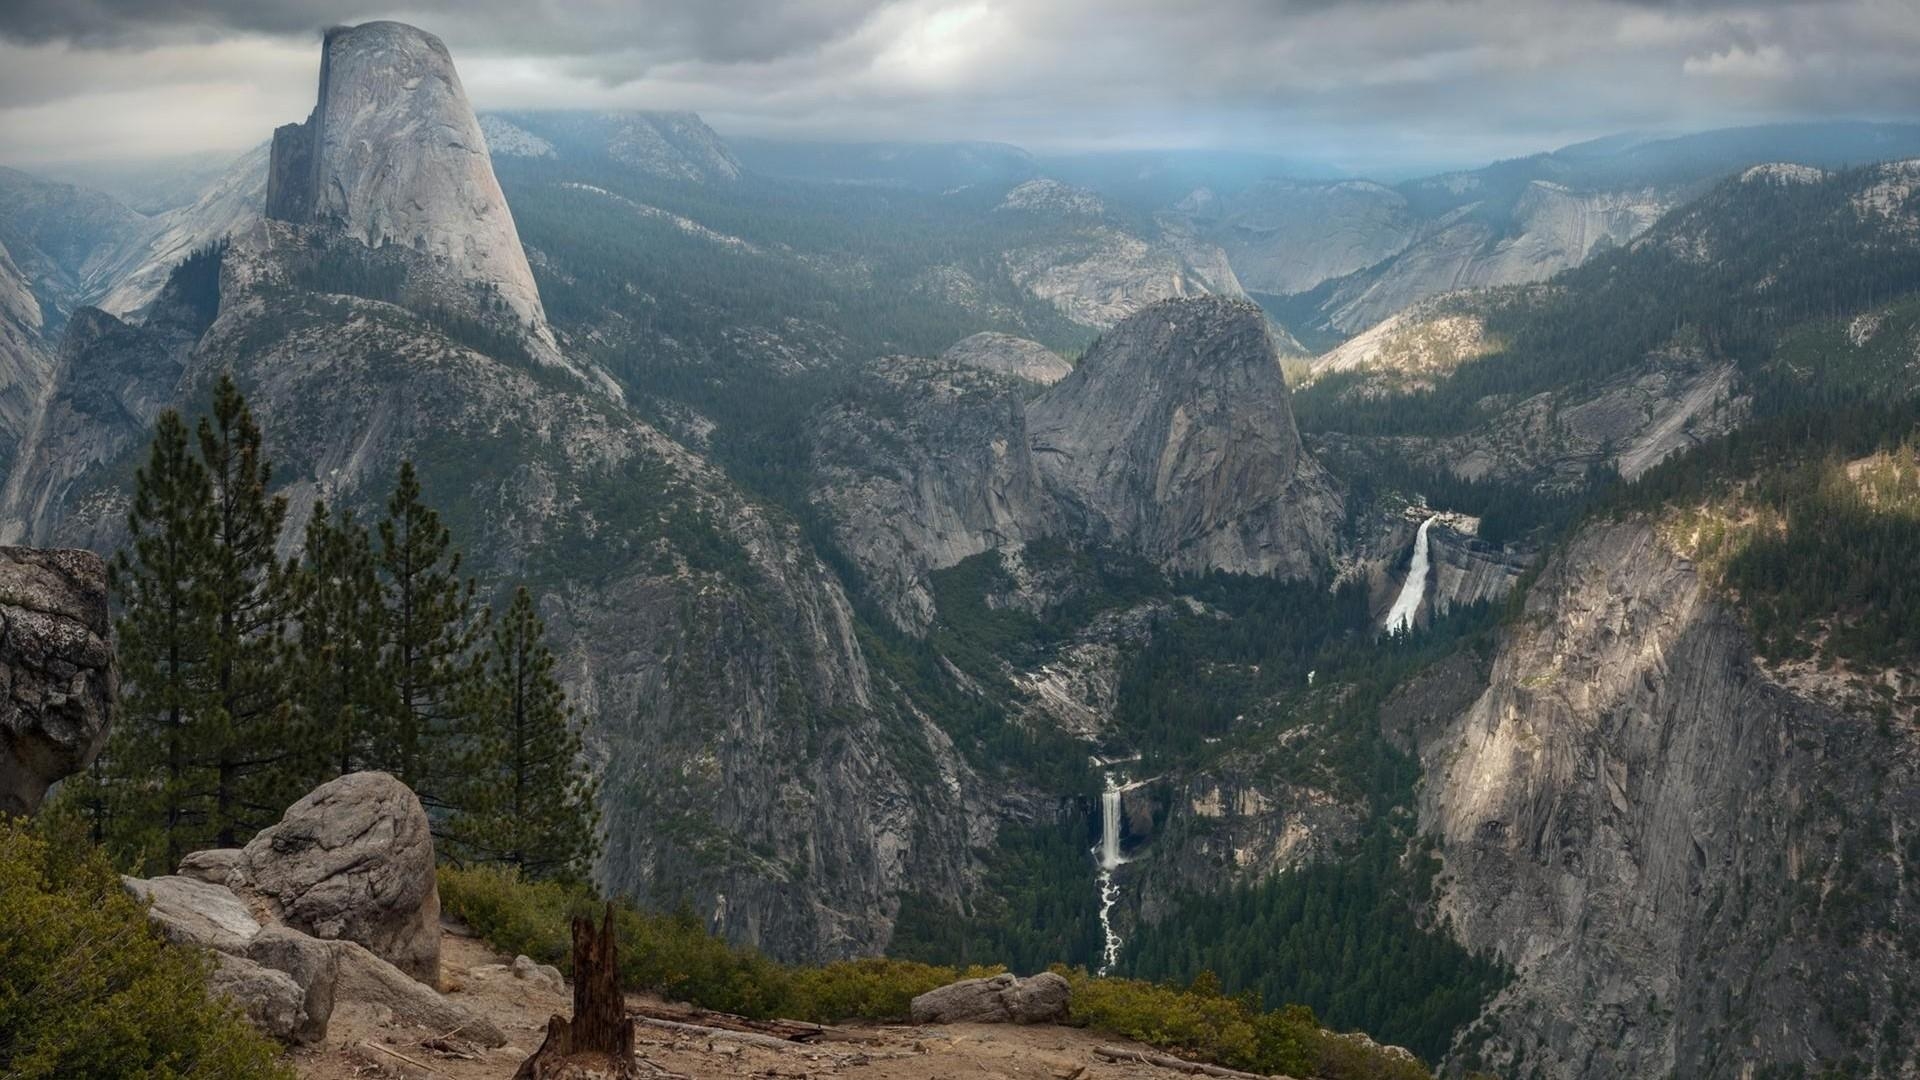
1366 85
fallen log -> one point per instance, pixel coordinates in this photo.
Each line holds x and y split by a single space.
748 1038
798 1031
1168 1061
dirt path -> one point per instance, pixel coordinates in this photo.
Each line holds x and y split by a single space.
362 1044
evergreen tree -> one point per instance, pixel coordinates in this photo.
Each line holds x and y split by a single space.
522 796
340 693
431 630
252 750
165 636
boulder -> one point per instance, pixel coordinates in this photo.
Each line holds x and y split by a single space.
212 865
544 975
271 1000
193 912
362 977
58 682
313 965
352 861
1002 999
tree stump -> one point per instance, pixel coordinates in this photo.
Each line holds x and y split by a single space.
597 1044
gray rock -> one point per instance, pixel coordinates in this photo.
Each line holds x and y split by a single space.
56 667
364 978
193 912
544 975
353 860
1002 999
1004 354
383 85
271 1000
312 964
212 865
1175 437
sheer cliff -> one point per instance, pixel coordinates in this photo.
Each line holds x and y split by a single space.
1694 865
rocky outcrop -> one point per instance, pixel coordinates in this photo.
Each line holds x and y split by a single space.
1679 852
1004 354
352 861
197 913
393 154
57 668
1174 437
1002 999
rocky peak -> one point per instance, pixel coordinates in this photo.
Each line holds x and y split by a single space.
393 154
1176 435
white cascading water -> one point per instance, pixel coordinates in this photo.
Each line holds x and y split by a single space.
1400 616
1110 860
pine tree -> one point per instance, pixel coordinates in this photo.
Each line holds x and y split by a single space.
164 636
340 693
253 753
431 630
523 797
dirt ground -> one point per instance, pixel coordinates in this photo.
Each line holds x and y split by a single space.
362 1044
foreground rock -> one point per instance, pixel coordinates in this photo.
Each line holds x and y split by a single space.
1002 999
352 861
321 909
57 668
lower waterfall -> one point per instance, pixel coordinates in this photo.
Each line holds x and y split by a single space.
1407 604
1110 860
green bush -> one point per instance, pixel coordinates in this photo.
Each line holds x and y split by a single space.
674 955
87 988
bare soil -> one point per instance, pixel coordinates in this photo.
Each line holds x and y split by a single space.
363 1044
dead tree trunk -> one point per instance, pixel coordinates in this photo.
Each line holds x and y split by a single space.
597 1044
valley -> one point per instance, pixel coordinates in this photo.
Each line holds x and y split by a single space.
1476 608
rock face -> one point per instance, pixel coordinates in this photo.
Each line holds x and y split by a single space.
1284 236
1004 354
58 669
925 465
676 146
1002 999
353 861
1175 437
1674 846
385 86
193 912
271 1000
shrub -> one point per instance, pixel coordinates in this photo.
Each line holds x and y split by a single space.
87 988
675 956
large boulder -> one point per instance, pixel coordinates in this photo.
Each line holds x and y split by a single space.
271 1000
1002 999
193 912
352 861
56 670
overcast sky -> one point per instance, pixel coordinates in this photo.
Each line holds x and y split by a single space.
1364 84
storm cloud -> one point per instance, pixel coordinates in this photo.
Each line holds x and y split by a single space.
1367 84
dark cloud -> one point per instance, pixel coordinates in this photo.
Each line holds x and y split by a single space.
1360 82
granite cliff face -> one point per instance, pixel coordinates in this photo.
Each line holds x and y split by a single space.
1284 236
1004 354
1680 851
1174 437
385 86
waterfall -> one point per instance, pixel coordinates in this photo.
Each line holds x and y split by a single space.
1400 616
1110 860
1110 826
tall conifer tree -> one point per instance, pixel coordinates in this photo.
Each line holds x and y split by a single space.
340 691
156 781
252 746
523 797
431 630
